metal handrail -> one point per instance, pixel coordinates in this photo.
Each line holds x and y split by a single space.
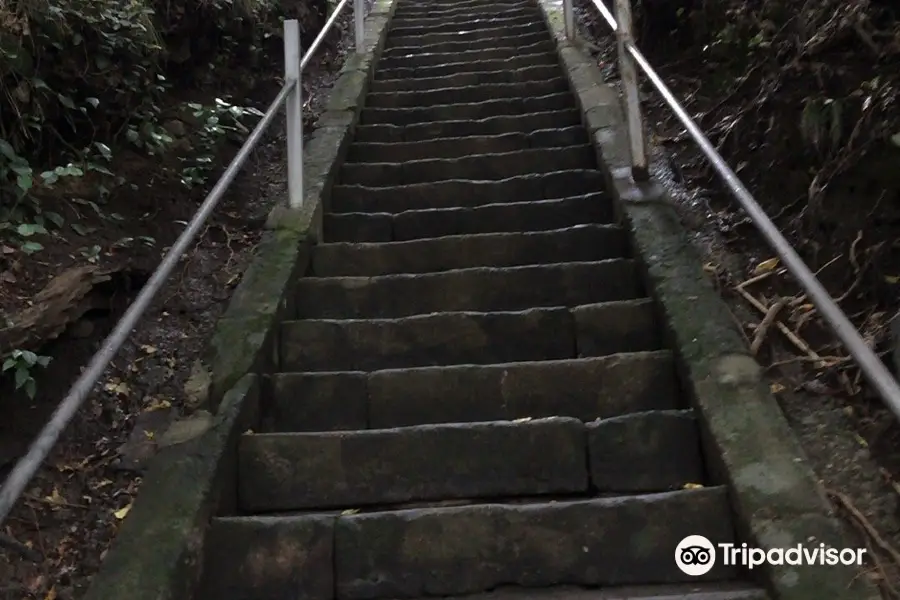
869 363
291 96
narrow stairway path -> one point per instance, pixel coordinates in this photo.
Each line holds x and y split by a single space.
474 392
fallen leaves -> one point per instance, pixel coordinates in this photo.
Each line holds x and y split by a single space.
122 512
117 387
156 404
766 266
55 498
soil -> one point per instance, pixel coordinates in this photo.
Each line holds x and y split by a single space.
847 235
73 506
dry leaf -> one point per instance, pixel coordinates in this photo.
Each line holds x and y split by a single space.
776 388
114 386
766 266
892 278
51 595
55 497
157 404
148 349
692 486
122 512
350 511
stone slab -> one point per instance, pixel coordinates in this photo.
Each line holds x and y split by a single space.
586 389
435 339
249 558
315 402
480 289
540 215
468 128
470 549
611 327
468 194
502 249
429 462
474 167
651 451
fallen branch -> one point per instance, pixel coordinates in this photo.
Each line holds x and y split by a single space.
844 501
790 335
760 335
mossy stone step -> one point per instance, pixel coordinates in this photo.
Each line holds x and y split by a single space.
556 119
574 244
542 215
586 389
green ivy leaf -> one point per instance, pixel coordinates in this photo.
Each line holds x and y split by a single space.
22 376
66 101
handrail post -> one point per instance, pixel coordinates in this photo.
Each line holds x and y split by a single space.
569 19
639 169
359 16
293 107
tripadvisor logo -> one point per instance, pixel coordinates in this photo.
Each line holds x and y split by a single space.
695 555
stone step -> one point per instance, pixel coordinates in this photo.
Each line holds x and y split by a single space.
466 94
481 289
480 167
449 338
471 5
519 61
414 27
468 11
479 38
453 338
419 66
585 389
576 244
464 79
351 469
467 128
471 110
646 453
544 215
463 193
445 551
531 43
468 6
466 146
462 22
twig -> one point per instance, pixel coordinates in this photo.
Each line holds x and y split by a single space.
790 335
51 502
758 278
831 360
870 530
760 335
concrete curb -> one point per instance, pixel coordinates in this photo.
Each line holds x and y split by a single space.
772 488
157 555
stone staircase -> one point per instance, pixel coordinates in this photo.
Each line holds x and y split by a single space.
474 396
